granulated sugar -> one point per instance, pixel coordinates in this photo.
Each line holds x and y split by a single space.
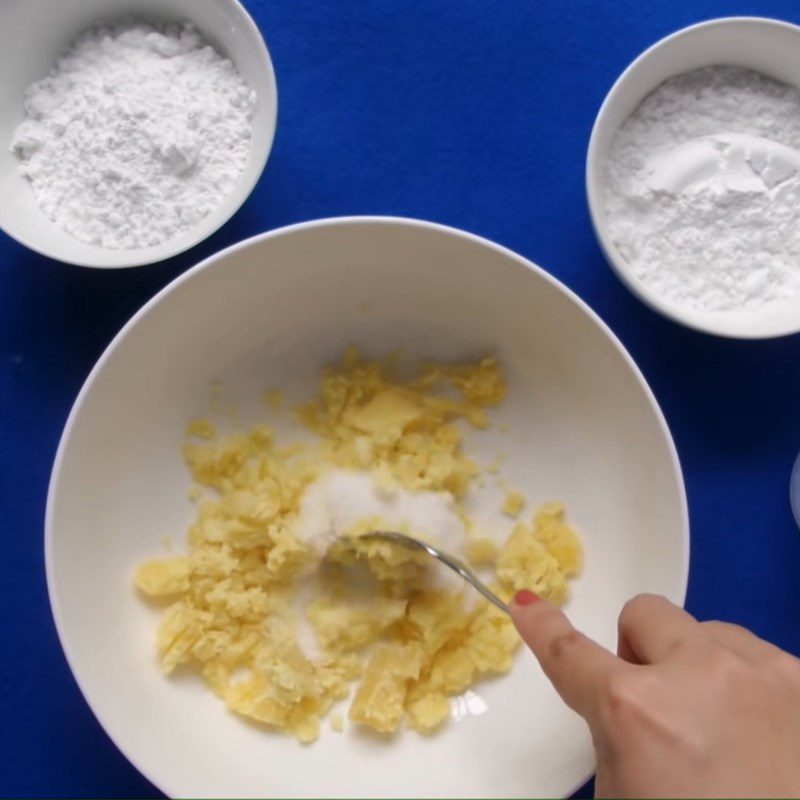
703 189
136 135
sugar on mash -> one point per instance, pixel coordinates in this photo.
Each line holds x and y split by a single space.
236 604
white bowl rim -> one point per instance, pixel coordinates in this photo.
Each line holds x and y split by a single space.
145 256
593 189
219 257
794 490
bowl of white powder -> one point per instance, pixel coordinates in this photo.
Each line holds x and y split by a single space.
693 177
129 131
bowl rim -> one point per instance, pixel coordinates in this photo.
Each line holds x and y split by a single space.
688 317
794 490
145 257
219 258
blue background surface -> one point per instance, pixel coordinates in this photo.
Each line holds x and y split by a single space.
471 113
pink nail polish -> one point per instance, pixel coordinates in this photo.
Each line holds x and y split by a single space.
525 597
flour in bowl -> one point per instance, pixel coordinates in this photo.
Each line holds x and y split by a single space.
136 135
703 189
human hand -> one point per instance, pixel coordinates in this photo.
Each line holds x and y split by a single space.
685 709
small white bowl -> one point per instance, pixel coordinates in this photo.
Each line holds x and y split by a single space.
34 33
768 46
794 491
581 425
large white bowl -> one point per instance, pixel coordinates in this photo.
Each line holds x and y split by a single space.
765 45
582 426
33 33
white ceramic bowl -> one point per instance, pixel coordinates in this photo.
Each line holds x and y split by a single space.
33 33
765 45
582 426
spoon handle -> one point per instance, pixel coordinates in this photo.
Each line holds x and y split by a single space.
470 577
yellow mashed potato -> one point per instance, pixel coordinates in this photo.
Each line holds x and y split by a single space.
233 603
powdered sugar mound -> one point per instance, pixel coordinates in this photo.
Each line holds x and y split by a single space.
136 135
724 233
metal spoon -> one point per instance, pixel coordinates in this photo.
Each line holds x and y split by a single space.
450 561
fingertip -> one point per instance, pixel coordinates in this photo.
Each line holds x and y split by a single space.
527 610
525 597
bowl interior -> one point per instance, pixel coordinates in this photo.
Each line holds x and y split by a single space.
768 46
581 426
30 50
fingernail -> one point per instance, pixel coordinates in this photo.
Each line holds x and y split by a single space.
525 597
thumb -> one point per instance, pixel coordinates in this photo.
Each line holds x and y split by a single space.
575 664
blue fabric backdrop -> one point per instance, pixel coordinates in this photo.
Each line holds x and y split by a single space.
474 113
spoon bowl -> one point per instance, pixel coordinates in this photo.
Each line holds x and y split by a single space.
448 560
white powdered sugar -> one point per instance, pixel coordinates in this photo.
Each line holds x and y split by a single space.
342 498
703 189
136 135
